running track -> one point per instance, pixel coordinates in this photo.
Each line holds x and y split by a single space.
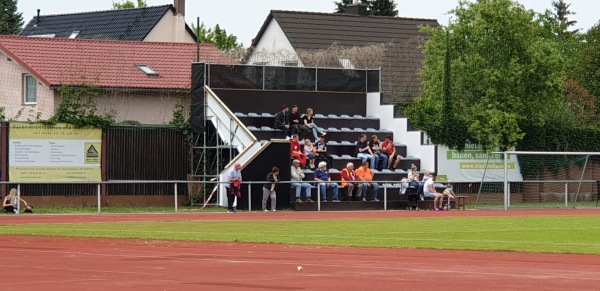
56 263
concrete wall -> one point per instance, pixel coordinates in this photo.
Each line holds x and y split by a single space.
11 93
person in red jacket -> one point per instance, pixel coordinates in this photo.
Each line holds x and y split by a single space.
388 148
296 150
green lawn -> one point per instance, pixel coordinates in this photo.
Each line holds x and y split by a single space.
561 234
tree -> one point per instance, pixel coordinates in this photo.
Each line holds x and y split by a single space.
11 21
375 8
218 37
127 4
590 62
506 72
561 14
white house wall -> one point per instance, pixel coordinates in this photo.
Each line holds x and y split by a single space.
170 28
274 48
11 94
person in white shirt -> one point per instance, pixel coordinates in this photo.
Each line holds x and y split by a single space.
430 192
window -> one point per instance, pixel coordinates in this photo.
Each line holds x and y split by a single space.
29 89
74 34
147 70
50 35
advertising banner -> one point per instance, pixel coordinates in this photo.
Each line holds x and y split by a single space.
57 153
470 165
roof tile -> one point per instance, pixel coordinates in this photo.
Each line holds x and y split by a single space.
108 63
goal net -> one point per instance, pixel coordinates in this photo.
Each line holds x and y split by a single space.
518 179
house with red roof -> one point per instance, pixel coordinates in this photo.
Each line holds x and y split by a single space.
138 81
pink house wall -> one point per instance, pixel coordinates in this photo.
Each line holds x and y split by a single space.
144 107
11 94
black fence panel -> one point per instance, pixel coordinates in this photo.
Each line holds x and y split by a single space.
139 153
341 80
373 80
290 78
240 77
287 78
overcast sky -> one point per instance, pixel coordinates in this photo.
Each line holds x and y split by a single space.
243 18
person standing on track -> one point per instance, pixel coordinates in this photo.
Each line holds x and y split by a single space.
234 177
270 189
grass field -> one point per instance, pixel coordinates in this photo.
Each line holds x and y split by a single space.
552 234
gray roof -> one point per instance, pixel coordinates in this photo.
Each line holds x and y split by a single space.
319 31
116 24
311 30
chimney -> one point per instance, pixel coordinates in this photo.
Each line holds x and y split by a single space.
357 9
179 7
37 20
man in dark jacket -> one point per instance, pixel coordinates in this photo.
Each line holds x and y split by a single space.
270 189
282 121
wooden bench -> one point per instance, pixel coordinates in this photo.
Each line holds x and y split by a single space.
460 201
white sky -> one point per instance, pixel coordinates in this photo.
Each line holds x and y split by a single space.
243 18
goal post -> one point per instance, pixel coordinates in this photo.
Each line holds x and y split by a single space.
528 179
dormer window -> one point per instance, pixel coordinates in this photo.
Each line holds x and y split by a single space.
74 34
147 70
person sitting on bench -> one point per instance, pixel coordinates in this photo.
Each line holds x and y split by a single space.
308 121
388 148
296 150
365 176
321 152
296 121
282 121
351 182
430 192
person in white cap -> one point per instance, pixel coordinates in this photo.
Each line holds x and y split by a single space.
321 175
296 178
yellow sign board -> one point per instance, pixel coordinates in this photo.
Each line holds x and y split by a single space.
54 153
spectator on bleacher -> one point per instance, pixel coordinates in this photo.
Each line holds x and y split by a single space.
234 177
426 175
11 203
388 148
270 189
363 151
296 178
381 160
296 121
308 121
365 176
430 192
413 178
351 182
309 152
296 150
282 121
321 151
321 175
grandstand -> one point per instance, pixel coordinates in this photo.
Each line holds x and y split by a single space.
241 106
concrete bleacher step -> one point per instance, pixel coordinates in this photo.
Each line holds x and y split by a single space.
266 132
268 119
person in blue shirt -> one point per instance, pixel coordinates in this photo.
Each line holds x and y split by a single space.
321 175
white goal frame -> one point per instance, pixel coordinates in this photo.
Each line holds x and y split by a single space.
507 153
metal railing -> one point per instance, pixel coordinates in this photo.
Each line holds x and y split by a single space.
248 184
